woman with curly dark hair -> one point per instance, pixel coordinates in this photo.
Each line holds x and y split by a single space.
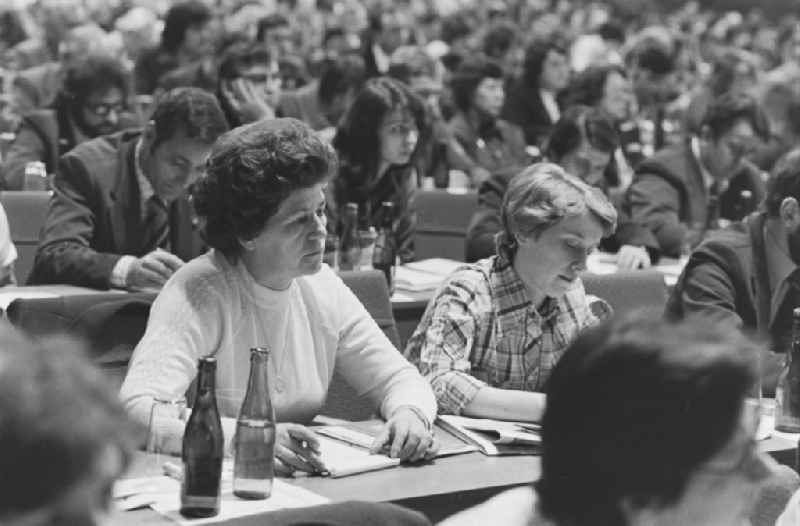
263 284
377 142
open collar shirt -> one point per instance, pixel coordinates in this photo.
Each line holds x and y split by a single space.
481 329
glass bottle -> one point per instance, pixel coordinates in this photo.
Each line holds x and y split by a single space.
349 242
385 253
254 444
787 393
36 177
203 448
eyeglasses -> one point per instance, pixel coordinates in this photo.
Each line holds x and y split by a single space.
103 109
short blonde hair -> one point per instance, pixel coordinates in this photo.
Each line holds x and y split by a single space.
542 195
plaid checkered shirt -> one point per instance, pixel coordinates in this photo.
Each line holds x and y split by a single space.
482 329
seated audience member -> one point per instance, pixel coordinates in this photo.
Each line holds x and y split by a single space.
264 284
413 66
91 102
321 104
388 30
187 37
62 419
646 423
532 101
119 216
490 142
495 329
64 434
744 276
609 89
377 142
501 43
37 87
683 190
249 86
582 142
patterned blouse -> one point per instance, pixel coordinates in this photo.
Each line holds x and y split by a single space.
482 329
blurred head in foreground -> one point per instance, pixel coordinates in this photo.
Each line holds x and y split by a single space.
647 423
64 436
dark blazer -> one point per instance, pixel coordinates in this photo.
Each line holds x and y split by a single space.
725 281
44 135
669 197
485 223
95 216
497 146
524 107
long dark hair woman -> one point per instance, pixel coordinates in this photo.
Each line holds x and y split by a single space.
377 142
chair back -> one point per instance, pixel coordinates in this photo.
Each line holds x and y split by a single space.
110 323
26 213
442 221
641 291
371 289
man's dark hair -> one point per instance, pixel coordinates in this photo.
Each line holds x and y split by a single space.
579 123
270 22
725 111
784 182
612 31
192 110
499 39
242 56
624 406
588 86
455 26
653 58
469 73
58 416
340 75
332 32
94 74
179 19
250 172
535 55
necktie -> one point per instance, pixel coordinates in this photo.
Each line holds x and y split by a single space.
156 225
712 220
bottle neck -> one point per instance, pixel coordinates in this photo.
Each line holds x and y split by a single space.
206 379
256 401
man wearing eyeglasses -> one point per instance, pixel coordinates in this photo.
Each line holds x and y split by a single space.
91 102
684 190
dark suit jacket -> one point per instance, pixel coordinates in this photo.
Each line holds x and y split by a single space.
725 281
669 197
524 107
496 147
95 216
485 223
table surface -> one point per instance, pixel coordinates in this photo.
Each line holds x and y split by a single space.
433 484
437 489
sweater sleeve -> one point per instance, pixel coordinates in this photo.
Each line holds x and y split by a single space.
185 324
372 365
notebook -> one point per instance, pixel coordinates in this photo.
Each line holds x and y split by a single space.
494 437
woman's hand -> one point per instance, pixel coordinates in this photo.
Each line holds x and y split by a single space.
630 257
246 100
296 449
407 436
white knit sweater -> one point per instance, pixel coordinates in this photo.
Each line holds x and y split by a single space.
210 307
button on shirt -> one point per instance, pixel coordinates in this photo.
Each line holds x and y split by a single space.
482 329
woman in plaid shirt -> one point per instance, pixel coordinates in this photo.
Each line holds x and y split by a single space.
495 329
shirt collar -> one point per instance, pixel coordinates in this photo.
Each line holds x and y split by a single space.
708 179
513 297
779 264
145 188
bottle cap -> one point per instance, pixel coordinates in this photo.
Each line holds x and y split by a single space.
796 313
259 351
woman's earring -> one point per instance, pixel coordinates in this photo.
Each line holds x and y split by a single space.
249 246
